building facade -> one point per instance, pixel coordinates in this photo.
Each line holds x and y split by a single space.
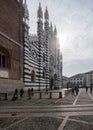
78 79
11 45
65 82
89 79
42 55
33 60
55 59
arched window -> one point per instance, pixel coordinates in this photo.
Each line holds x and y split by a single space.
52 60
5 59
55 81
44 72
43 57
2 60
51 82
55 76
33 76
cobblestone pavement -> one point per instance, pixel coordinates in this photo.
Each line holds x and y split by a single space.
69 113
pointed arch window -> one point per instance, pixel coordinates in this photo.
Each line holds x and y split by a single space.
32 76
43 57
5 59
55 76
2 61
44 72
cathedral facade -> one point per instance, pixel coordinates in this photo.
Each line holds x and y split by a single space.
31 60
42 55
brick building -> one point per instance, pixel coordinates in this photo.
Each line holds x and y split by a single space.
11 45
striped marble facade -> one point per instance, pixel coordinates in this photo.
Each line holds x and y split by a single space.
39 69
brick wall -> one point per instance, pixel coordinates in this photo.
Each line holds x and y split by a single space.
11 26
9 18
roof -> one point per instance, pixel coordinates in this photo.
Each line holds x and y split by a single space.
64 77
89 72
78 75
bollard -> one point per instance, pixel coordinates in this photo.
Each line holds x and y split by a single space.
60 94
5 96
40 96
66 92
50 95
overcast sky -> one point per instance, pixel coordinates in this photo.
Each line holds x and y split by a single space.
74 22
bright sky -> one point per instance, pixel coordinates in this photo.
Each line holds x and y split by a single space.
74 22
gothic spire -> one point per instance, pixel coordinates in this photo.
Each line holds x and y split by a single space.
26 12
55 31
46 14
51 27
40 13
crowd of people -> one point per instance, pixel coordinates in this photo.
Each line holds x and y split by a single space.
75 89
30 92
89 88
16 92
21 92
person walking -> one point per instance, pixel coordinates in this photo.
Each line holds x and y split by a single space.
15 95
46 90
73 90
90 88
21 93
29 93
86 89
77 89
32 91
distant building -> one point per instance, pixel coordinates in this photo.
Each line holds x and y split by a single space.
11 45
89 78
78 79
42 55
65 82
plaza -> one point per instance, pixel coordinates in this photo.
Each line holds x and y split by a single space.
31 61
68 113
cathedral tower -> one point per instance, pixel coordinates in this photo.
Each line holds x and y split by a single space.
40 23
55 31
40 40
46 28
26 44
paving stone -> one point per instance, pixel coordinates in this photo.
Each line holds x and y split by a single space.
48 113
70 125
6 121
40 123
88 118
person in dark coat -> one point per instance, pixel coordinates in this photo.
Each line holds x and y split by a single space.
29 93
21 93
73 89
86 89
32 91
77 89
15 95
90 88
46 90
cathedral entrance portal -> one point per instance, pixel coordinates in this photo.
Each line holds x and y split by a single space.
55 81
51 83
